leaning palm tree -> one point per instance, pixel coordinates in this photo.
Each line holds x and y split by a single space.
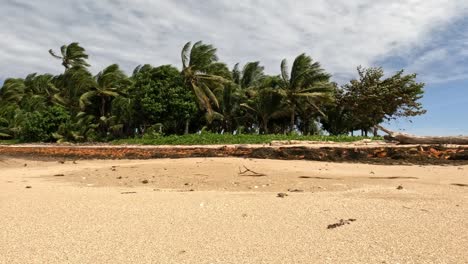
306 80
108 84
72 84
71 55
13 91
199 67
250 75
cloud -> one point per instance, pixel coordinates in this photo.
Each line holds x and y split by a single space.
340 34
440 57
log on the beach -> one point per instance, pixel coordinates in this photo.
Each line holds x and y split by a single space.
403 138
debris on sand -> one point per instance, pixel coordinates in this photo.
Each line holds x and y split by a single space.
59 175
249 172
144 181
281 195
295 190
127 192
460 184
341 223
28 187
399 187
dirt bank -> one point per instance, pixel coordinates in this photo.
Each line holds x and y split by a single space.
380 154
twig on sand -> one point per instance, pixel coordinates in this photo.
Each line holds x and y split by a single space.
250 172
340 223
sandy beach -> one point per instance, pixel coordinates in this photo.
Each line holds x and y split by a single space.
230 210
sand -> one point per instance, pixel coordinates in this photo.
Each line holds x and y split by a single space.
209 210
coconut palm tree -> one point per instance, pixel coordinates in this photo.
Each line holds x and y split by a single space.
13 91
230 106
72 55
109 83
266 104
4 131
306 80
72 84
199 62
249 76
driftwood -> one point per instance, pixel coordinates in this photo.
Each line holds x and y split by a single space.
404 138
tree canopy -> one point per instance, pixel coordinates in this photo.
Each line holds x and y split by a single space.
204 94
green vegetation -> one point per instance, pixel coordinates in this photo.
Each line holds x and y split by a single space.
210 138
159 104
9 141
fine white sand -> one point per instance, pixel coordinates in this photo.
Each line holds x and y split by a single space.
202 210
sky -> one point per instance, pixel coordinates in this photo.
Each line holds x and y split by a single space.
427 37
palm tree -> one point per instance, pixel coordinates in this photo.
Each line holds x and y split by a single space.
199 67
4 131
72 55
307 80
266 104
13 91
230 106
72 84
41 88
249 76
108 84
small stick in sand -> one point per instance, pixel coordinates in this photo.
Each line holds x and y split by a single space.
252 173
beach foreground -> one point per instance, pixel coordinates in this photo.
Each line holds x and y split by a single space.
230 210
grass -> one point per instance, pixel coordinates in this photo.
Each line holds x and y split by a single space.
9 141
209 139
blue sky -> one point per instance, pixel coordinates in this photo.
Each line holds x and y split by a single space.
428 37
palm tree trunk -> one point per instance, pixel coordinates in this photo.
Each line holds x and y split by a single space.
187 123
103 106
306 130
293 112
265 126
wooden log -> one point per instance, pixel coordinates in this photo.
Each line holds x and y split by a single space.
404 138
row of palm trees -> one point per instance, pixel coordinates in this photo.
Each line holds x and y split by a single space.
104 106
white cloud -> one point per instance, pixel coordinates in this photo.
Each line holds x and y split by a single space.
341 34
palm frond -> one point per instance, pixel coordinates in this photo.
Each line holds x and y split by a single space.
284 71
186 54
236 74
54 55
210 94
202 56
